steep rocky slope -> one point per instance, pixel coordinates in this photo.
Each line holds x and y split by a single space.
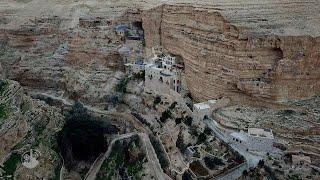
41 55
230 56
27 124
258 50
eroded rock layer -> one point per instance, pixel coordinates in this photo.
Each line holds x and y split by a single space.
222 59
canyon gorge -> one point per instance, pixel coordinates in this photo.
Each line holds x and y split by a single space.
261 57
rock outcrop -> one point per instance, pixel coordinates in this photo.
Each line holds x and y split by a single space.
227 56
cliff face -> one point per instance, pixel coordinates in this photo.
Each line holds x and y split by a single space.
222 59
44 56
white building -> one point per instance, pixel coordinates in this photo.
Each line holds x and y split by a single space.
205 109
162 74
255 139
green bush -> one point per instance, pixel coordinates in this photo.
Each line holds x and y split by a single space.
122 85
180 143
207 131
165 115
178 120
157 100
3 86
202 138
286 112
188 121
212 162
161 154
3 111
10 165
173 105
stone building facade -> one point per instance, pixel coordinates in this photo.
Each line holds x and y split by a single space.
162 74
254 140
204 109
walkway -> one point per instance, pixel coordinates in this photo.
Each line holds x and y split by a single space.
252 160
95 168
151 155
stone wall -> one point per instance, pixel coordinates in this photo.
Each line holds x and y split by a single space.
259 144
223 60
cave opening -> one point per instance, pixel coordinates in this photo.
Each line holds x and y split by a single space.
82 139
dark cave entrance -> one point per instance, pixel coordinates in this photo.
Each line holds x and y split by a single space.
82 138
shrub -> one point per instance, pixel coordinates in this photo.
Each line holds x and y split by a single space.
202 138
207 131
178 120
180 143
3 86
194 131
122 85
165 115
11 164
187 176
188 121
173 105
3 111
157 100
212 162
286 112
261 163
245 173
190 106
161 154
198 168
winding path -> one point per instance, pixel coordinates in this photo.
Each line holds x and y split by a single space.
154 162
94 169
252 160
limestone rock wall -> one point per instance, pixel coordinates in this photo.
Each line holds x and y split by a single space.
83 62
222 59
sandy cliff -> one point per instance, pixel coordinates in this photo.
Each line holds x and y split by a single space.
260 50
225 58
